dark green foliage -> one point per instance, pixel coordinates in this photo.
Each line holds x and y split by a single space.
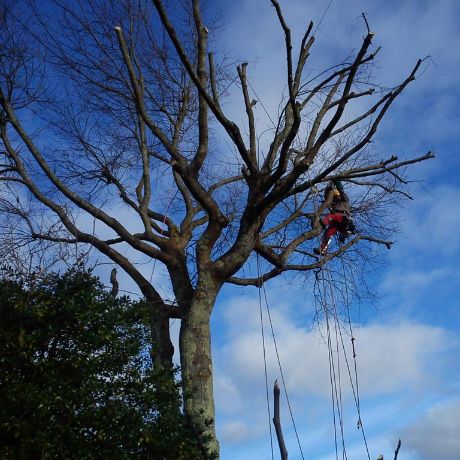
76 380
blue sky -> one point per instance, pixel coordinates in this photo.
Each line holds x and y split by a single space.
407 342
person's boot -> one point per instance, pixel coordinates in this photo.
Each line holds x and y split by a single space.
322 251
351 229
319 252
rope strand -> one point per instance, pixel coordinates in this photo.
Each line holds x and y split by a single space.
331 367
281 372
265 366
339 397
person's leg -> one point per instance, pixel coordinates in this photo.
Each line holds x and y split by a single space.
331 230
332 223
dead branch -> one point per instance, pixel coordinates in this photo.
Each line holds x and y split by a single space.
397 449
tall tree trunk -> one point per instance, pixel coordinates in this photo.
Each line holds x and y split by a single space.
196 364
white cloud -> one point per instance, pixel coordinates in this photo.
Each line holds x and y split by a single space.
425 259
397 356
237 432
435 435
390 356
392 359
230 400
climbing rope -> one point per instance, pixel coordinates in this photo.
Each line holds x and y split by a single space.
353 382
265 363
332 378
334 364
334 369
282 373
337 388
331 368
283 381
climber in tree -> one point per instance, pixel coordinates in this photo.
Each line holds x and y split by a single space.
339 219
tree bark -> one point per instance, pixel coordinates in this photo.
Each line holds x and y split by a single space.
162 350
196 364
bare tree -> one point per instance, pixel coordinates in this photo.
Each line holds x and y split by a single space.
118 107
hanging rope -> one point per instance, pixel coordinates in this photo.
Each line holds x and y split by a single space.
279 361
282 373
331 368
334 368
333 383
338 394
261 103
336 388
265 364
354 384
